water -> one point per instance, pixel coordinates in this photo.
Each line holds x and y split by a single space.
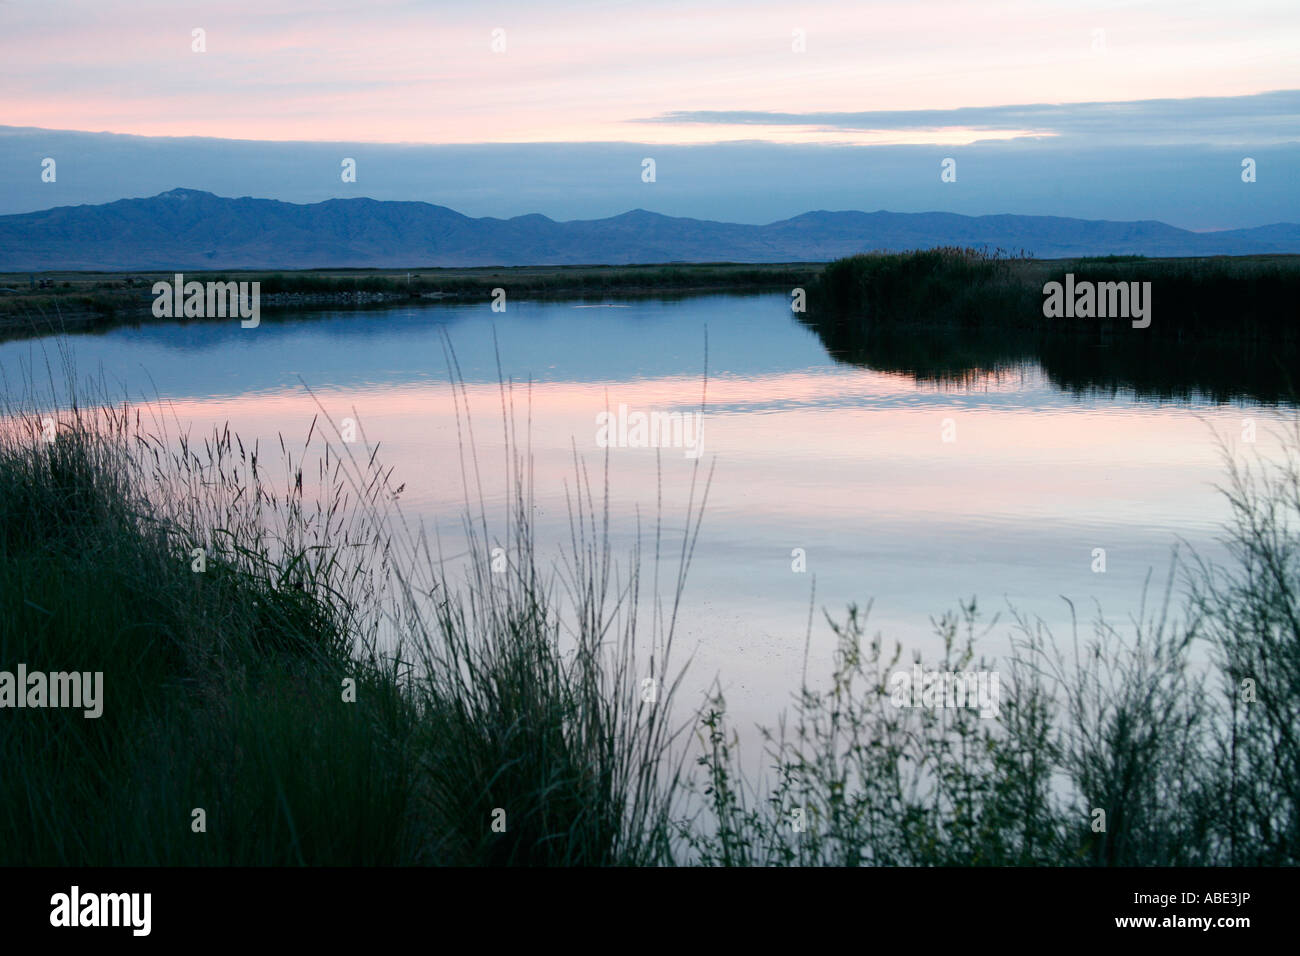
847 463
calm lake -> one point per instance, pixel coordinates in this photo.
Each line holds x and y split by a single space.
914 494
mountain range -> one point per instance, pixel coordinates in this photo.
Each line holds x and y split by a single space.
192 229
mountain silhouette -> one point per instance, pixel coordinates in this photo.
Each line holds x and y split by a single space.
192 229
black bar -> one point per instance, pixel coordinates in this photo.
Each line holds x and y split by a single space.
438 906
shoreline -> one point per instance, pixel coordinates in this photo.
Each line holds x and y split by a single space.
79 301
959 288
15 325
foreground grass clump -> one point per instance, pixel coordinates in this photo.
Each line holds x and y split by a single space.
873 783
229 689
1170 743
221 688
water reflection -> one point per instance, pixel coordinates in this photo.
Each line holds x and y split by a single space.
835 449
1092 364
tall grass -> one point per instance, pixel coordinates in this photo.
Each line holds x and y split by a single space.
1251 618
1221 298
949 285
221 687
1222 328
1171 741
498 719
532 678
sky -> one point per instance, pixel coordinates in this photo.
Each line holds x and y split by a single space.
752 111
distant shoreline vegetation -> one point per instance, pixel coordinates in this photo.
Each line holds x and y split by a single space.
1234 297
1221 328
1251 297
82 300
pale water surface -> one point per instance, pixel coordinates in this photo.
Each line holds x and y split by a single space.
846 463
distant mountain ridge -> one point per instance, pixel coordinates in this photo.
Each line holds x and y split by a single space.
192 229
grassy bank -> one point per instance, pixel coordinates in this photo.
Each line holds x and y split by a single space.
1237 298
1223 328
498 713
78 300
255 686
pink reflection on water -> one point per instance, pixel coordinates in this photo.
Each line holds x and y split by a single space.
851 467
